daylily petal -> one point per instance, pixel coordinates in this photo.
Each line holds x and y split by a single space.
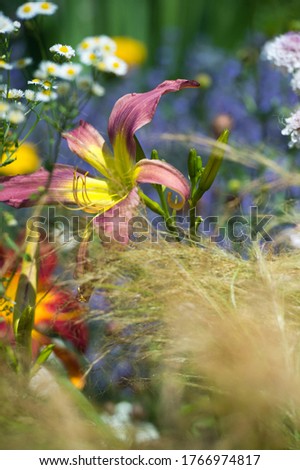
58 313
158 172
133 111
89 145
72 365
114 225
67 186
69 358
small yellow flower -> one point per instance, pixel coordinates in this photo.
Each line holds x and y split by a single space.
27 161
132 51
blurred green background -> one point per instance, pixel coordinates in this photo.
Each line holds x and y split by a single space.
226 23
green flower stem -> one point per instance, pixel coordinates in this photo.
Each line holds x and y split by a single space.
194 224
155 207
30 130
163 201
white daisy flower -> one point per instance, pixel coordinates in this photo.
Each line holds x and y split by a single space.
106 44
27 11
37 82
30 95
284 51
22 63
4 107
6 25
15 94
15 116
69 71
114 65
46 8
89 57
63 50
46 95
17 25
46 68
97 89
292 129
4 65
86 44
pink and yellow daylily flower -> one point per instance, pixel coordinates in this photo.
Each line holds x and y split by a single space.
114 192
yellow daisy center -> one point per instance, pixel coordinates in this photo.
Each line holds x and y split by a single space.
45 6
64 49
50 69
70 71
3 107
84 45
27 8
116 65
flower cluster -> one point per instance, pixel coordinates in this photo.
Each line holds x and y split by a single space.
292 129
100 52
30 10
14 113
284 53
66 71
59 87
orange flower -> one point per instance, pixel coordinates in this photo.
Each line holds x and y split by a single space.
57 316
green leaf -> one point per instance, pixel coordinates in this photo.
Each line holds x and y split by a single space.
11 244
212 167
24 327
42 358
44 354
26 291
